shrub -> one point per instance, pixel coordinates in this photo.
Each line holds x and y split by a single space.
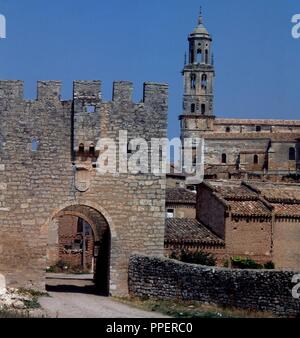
245 263
60 266
198 257
269 266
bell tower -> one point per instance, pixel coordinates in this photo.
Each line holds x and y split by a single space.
199 73
198 117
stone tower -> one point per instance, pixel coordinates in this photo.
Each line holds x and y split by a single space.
198 73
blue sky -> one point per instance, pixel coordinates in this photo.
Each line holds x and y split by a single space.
257 60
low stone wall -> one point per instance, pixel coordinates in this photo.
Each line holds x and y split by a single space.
259 290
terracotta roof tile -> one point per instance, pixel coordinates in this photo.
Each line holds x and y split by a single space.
180 195
189 231
287 209
249 208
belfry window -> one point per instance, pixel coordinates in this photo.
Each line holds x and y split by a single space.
206 56
228 130
292 154
203 109
258 129
192 55
193 81
255 159
204 81
224 158
193 108
199 55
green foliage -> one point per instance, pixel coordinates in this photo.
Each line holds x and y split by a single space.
63 267
245 263
226 263
31 292
198 257
32 303
248 263
269 266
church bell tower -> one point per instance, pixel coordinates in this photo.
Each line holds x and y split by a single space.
198 73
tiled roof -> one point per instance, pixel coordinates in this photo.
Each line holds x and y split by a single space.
236 192
180 196
278 192
189 231
232 190
248 208
257 198
287 209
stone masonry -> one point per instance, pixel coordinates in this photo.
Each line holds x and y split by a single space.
258 290
47 166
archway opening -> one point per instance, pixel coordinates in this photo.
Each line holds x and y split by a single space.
78 251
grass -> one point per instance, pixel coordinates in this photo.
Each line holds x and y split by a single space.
31 304
32 293
182 309
14 314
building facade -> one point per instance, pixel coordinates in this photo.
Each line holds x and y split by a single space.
234 148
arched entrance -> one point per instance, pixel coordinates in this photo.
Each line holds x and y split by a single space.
79 240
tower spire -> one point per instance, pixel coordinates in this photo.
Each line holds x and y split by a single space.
200 18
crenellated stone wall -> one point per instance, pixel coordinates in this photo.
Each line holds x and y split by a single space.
42 173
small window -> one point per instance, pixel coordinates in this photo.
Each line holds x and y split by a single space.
224 158
292 154
35 145
203 109
255 159
192 188
193 108
92 150
258 129
81 148
129 150
170 213
228 130
90 109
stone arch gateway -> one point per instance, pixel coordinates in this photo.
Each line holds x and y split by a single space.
35 186
101 241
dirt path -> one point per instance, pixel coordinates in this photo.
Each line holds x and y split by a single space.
72 298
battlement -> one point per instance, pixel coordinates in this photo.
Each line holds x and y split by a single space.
87 90
47 90
153 93
11 89
122 91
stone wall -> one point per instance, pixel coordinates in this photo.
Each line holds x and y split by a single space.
258 290
41 174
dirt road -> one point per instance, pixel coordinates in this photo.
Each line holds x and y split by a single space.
75 298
